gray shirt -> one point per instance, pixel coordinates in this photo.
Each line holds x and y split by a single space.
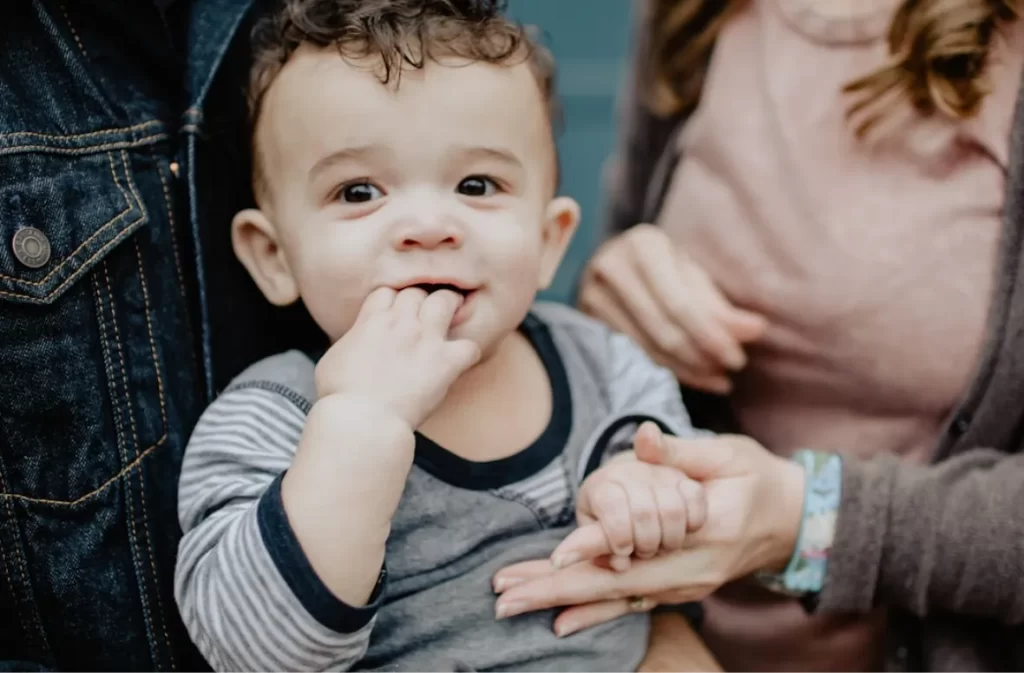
251 600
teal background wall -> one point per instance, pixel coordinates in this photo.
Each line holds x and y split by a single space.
589 39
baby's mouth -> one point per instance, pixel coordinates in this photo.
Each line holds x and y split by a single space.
437 287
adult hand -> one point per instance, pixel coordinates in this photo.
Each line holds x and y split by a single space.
641 284
754 506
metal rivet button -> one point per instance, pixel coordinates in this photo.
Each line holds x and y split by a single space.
31 247
175 168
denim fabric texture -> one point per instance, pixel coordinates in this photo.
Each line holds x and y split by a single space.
123 141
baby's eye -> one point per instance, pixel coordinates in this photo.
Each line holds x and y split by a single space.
360 192
477 185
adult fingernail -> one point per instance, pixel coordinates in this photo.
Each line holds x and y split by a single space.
565 628
506 583
565 560
619 563
504 610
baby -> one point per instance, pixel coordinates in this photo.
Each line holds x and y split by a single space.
349 508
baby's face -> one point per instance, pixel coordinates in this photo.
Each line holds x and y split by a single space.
445 181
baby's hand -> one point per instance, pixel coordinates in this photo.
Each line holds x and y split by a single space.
397 354
631 507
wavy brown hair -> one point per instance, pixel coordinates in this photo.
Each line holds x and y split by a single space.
938 52
398 34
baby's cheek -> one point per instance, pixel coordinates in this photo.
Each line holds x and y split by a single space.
333 293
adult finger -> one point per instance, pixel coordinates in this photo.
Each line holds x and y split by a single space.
588 583
580 617
519 573
598 300
722 317
647 442
702 458
378 301
685 295
580 583
627 284
745 326
438 309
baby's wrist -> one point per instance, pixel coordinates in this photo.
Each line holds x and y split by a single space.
352 438
347 410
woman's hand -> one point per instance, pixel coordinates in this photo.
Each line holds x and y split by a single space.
754 506
641 284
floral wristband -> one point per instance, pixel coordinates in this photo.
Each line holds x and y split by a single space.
805 573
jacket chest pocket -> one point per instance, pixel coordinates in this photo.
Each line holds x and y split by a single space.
81 388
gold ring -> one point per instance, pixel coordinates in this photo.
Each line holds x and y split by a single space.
637 603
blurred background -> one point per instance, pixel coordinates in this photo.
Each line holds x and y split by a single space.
589 39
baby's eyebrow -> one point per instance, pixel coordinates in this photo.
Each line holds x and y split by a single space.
361 153
495 153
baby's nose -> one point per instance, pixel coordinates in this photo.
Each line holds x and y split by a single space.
429 235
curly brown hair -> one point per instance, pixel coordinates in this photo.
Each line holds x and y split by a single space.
399 34
938 52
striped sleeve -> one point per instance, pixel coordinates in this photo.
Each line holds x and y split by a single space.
247 593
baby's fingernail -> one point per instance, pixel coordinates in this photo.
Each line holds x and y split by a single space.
504 610
564 629
565 560
506 583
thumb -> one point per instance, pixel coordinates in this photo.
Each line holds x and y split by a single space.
647 444
701 458
744 326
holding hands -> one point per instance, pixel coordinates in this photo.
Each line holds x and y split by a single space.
747 520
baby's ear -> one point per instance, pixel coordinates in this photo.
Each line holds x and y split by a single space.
560 222
255 241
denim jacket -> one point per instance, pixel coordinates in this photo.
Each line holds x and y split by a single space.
123 155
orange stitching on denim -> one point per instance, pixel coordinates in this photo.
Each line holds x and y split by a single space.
142 474
152 568
89 149
86 242
91 494
3 556
19 558
147 612
120 355
126 469
82 136
169 203
74 33
107 364
152 341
